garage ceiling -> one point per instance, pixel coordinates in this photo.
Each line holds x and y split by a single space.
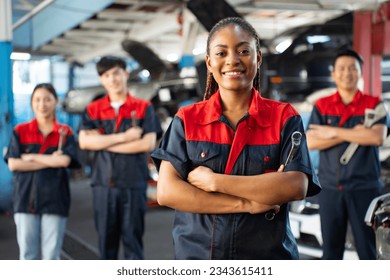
165 26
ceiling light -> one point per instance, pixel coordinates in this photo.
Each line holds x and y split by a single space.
172 57
198 51
20 56
282 46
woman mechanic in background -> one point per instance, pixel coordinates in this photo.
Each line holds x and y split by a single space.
39 154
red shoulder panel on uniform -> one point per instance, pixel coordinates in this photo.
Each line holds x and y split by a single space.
262 127
100 109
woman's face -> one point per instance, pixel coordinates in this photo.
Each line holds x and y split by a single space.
43 103
233 59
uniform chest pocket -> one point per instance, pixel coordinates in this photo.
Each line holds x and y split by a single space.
331 120
261 160
207 154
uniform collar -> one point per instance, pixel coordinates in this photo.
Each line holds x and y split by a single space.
107 101
349 109
34 125
258 109
337 98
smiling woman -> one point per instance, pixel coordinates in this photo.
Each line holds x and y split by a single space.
225 156
234 61
39 153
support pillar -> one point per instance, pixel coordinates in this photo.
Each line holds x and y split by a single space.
362 34
71 77
190 30
372 41
6 100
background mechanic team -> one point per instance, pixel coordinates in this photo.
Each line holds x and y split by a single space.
104 118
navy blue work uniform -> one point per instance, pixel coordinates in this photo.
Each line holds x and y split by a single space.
119 181
200 135
347 189
44 191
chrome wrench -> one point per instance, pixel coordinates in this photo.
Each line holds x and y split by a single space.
370 117
295 143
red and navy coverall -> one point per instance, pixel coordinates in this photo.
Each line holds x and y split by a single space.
44 191
200 135
119 181
347 189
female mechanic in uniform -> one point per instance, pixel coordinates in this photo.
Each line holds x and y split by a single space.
39 154
219 159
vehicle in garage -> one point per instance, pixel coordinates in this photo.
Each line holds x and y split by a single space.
163 84
298 61
378 217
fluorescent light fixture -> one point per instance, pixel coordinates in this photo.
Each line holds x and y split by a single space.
317 39
20 56
198 51
282 46
385 64
164 94
172 57
145 73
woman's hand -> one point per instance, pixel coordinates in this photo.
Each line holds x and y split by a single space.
202 178
256 208
57 153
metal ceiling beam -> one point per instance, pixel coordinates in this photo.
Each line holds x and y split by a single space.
160 25
148 2
94 33
128 15
163 24
81 40
155 22
106 24
112 48
54 20
32 13
60 42
56 49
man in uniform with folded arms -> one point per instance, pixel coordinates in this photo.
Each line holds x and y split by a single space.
347 187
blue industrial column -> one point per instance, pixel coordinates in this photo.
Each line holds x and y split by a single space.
6 99
71 117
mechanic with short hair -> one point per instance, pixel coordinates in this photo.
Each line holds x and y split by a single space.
122 130
349 180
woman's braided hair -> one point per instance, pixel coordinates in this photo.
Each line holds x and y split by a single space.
211 84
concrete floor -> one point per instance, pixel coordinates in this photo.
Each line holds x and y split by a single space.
81 238
80 242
